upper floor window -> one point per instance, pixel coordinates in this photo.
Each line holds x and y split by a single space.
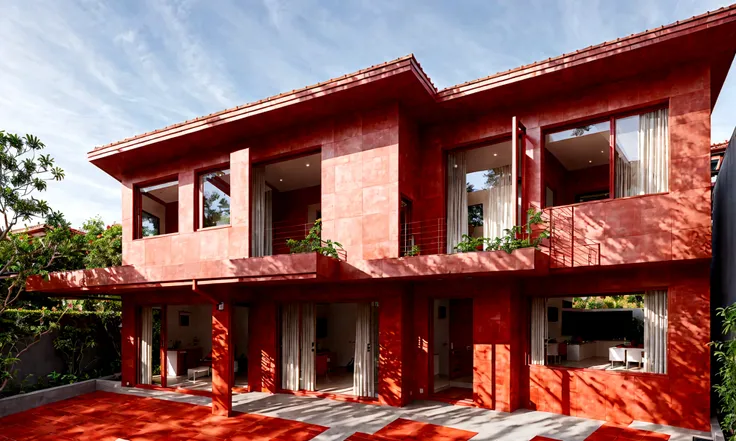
214 198
158 209
616 157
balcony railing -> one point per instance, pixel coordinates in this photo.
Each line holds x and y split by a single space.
568 245
280 232
426 236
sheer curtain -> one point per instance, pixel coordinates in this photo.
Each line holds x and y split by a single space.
457 200
290 347
308 346
258 210
268 223
655 331
539 329
498 214
642 156
146 345
363 376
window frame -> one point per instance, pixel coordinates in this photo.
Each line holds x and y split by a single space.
199 196
611 118
138 205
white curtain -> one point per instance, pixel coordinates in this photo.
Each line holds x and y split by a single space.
539 329
649 172
268 223
308 347
258 210
498 212
457 200
146 345
655 331
290 347
365 347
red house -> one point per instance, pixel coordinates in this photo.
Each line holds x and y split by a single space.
608 318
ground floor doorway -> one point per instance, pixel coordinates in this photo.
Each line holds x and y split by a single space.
330 348
453 348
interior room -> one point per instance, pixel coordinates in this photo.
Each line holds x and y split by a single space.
335 359
287 197
576 164
453 348
159 205
480 200
596 332
189 346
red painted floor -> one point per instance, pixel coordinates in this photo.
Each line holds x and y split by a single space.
107 416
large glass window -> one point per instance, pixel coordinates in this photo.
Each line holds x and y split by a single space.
612 332
480 200
214 198
577 160
576 163
158 209
642 154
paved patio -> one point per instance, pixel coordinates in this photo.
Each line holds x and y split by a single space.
134 414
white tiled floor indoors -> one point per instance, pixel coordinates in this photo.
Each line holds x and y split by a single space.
344 419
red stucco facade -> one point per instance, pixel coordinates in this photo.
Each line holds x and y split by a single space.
383 134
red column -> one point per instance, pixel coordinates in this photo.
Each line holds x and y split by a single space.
391 321
163 343
263 347
128 354
222 360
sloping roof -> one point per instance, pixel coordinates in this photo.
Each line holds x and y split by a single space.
564 61
38 228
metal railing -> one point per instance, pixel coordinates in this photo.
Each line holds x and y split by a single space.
568 246
428 236
282 231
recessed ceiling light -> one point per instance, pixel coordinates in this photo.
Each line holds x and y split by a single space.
455 166
590 162
281 180
602 151
307 164
495 154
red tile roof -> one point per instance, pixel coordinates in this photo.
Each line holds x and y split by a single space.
545 66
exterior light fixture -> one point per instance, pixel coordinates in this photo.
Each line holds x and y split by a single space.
221 306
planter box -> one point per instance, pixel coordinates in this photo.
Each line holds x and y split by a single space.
27 401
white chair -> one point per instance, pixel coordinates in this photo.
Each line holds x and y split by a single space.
635 355
553 350
616 354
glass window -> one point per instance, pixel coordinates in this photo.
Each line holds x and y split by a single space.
623 332
576 164
158 209
214 198
642 154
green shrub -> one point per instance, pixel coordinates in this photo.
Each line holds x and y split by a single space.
313 243
725 354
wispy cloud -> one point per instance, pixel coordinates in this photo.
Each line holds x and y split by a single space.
87 72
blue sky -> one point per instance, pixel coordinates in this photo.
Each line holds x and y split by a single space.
83 73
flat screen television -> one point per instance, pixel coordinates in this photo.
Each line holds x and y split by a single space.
597 325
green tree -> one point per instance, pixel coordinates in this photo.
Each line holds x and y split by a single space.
104 244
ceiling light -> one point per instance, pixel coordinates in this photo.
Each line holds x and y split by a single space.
590 162
281 180
602 151
495 154
455 166
307 164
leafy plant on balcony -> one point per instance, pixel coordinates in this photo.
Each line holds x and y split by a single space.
520 236
725 353
313 243
413 251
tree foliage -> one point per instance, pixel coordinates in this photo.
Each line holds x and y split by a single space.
725 388
313 243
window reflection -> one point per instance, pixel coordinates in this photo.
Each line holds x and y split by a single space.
215 198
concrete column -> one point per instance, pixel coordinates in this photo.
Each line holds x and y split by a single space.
222 360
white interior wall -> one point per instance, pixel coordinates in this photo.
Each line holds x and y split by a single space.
200 326
442 336
155 209
240 325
